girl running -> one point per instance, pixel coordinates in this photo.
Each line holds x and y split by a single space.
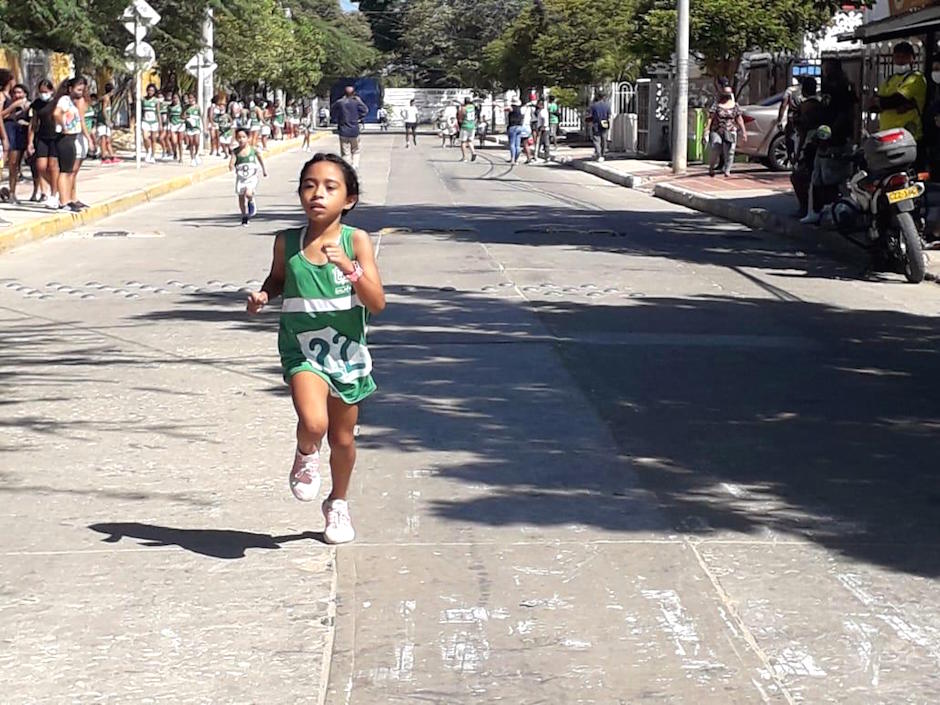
68 118
327 274
245 160
42 143
266 128
193 118
306 127
280 120
150 122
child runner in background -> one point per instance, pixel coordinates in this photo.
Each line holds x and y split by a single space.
103 128
192 116
327 274
163 106
175 127
226 133
150 122
245 161
266 128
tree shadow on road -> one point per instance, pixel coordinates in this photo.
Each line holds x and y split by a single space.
215 543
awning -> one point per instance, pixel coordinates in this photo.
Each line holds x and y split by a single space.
909 25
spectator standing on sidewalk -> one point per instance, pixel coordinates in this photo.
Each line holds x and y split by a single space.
514 118
599 116
902 96
786 117
42 143
15 110
554 120
347 112
721 131
104 127
838 96
544 139
410 115
69 124
382 115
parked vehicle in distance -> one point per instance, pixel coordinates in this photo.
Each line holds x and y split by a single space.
765 140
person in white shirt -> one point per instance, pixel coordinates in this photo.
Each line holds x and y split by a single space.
543 134
382 115
410 115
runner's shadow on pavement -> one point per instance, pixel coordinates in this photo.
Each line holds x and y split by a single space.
215 543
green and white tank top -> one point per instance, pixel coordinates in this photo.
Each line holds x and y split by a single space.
470 117
175 114
279 116
246 163
163 106
225 124
91 116
193 117
323 324
148 110
104 115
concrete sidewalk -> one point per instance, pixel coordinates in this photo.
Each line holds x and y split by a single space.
752 196
110 189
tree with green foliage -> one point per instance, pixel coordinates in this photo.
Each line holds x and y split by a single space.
565 42
722 31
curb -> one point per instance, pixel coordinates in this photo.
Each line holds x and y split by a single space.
810 237
591 167
57 223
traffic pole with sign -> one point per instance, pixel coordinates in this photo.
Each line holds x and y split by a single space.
139 16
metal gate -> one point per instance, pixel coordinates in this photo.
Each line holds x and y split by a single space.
622 98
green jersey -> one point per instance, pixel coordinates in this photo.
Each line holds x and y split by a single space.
279 116
91 116
148 110
175 114
163 106
246 163
104 115
193 117
469 117
225 124
553 113
323 323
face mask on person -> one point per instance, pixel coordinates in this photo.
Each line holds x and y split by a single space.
935 76
902 68
46 96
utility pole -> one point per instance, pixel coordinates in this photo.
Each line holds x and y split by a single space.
681 118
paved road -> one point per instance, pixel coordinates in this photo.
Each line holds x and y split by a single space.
622 453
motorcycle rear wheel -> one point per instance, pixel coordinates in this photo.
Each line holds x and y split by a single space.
915 267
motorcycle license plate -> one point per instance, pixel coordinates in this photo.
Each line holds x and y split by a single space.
903 194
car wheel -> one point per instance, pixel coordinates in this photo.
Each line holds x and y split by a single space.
778 159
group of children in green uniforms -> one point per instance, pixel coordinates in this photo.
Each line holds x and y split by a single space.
175 123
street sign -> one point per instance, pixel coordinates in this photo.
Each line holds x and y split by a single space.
141 11
207 67
145 56
138 30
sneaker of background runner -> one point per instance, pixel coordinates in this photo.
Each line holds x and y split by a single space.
251 208
244 220
304 477
52 202
339 528
473 157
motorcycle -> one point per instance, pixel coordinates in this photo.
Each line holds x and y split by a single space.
885 199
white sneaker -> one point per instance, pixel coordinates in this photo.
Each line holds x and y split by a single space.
600 159
339 528
150 159
192 162
52 202
304 477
